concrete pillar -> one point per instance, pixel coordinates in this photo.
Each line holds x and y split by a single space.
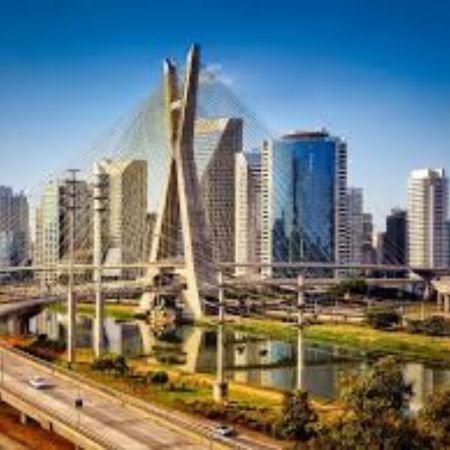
427 291
446 303
23 418
440 300
221 385
13 325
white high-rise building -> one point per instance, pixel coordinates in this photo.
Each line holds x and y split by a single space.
427 218
248 210
124 223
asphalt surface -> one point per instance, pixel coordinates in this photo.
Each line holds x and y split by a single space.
122 426
116 422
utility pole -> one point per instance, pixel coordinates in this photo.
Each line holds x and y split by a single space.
99 208
300 325
221 385
71 302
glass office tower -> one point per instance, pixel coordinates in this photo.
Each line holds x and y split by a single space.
304 179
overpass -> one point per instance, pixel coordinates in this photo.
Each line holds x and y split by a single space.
108 419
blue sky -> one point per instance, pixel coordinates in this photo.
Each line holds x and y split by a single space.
375 72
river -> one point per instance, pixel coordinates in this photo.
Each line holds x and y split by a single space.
249 359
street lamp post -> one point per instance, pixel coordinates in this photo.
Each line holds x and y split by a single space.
221 385
71 302
300 325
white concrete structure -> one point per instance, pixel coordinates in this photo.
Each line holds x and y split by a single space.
428 239
181 232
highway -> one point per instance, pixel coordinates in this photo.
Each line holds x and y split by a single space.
118 424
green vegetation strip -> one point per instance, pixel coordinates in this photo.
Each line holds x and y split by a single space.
120 312
359 337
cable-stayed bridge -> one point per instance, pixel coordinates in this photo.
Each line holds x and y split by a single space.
174 155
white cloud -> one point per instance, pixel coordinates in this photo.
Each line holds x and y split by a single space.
213 73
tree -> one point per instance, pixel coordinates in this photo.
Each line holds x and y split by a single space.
375 403
298 418
434 418
379 390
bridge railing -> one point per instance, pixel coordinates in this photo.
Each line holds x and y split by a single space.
73 424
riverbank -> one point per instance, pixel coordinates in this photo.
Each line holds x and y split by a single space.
434 350
114 310
187 388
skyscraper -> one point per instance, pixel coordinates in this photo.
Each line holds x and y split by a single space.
304 199
14 228
248 210
52 241
369 255
356 224
395 249
217 141
427 218
124 225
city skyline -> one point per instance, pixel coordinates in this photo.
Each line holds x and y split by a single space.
387 96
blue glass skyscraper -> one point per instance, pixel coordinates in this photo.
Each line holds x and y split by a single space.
304 179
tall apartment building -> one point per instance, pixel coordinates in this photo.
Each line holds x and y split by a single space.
124 222
14 228
248 210
52 237
427 218
355 223
304 199
217 141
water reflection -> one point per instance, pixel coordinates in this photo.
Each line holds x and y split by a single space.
247 358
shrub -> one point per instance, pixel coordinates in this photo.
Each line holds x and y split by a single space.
431 326
383 319
159 377
117 364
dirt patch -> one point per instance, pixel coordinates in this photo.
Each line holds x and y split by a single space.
30 436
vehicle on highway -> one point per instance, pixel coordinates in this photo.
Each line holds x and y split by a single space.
39 382
226 430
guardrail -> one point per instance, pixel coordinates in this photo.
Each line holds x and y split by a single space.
177 419
65 421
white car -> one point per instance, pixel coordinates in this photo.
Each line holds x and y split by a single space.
226 431
39 383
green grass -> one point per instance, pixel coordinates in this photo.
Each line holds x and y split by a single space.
120 312
358 337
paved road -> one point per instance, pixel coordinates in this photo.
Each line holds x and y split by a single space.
125 427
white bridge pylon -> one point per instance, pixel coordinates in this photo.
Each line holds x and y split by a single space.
181 231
